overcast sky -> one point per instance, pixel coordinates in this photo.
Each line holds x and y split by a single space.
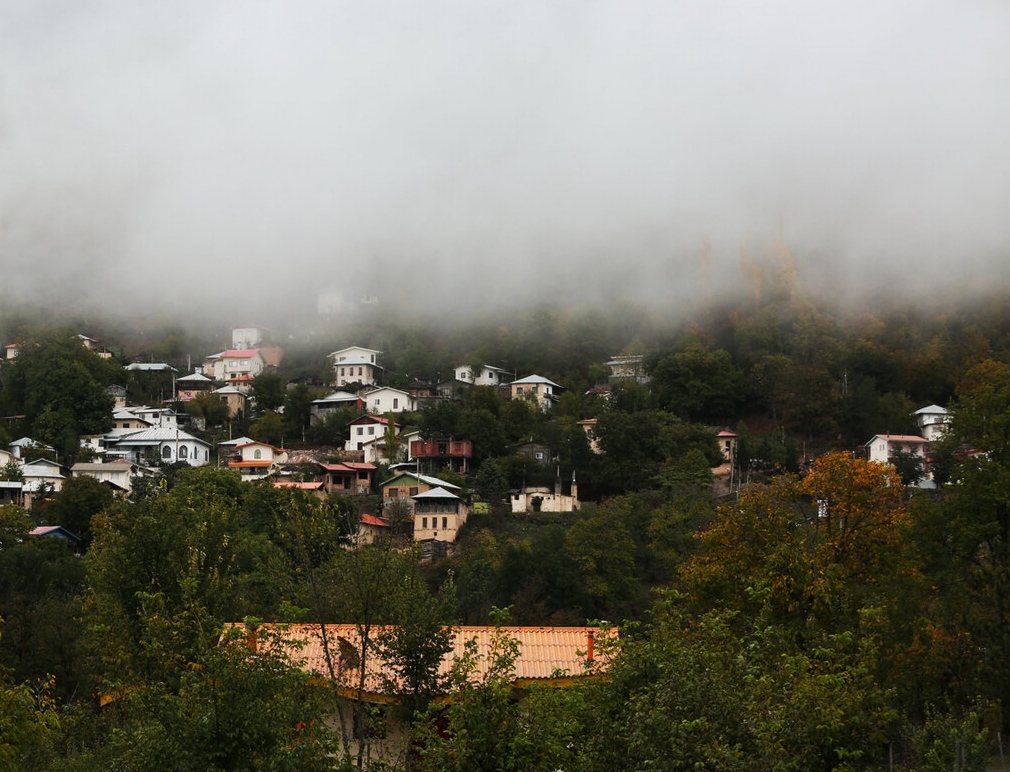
157 155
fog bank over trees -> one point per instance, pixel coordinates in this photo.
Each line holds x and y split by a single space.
218 159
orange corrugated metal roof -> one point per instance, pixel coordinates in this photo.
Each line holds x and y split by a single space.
305 486
544 652
265 462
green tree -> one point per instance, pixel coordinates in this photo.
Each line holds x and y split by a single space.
698 384
59 388
78 501
267 391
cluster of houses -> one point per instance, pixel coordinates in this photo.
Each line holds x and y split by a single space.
144 437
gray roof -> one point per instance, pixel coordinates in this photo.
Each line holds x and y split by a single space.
531 379
436 493
158 435
196 377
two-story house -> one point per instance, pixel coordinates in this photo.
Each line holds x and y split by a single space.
438 515
885 446
256 460
366 429
537 388
355 364
234 366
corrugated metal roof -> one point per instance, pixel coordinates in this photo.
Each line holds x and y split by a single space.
544 652
436 493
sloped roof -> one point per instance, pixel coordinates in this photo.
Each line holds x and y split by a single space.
436 493
195 377
157 435
931 410
434 482
238 353
378 522
531 379
544 652
303 486
909 438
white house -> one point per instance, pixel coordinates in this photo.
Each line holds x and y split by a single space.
487 376
355 364
39 476
366 429
234 365
164 445
883 446
542 390
388 400
932 421
118 474
256 460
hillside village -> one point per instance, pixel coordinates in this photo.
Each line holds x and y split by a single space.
385 458
780 513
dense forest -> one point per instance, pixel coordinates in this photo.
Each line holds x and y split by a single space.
825 615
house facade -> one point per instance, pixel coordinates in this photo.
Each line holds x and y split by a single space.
487 375
355 364
235 366
405 485
388 400
366 429
932 421
541 390
350 478
438 515
256 460
884 446
543 499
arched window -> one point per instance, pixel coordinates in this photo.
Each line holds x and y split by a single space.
183 452
257 454
166 451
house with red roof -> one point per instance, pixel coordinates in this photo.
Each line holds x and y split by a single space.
351 478
338 655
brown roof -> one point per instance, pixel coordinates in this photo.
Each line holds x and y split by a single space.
544 652
305 486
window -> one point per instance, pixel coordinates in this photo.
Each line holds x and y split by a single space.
257 454
361 430
378 402
394 493
360 370
183 452
371 430
424 523
342 371
396 403
126 424
445 523
166 451
413 491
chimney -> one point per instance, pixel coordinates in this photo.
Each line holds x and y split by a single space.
251 642
589 647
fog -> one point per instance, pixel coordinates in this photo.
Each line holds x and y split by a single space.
248 159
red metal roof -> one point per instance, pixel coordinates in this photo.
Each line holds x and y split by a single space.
378 522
